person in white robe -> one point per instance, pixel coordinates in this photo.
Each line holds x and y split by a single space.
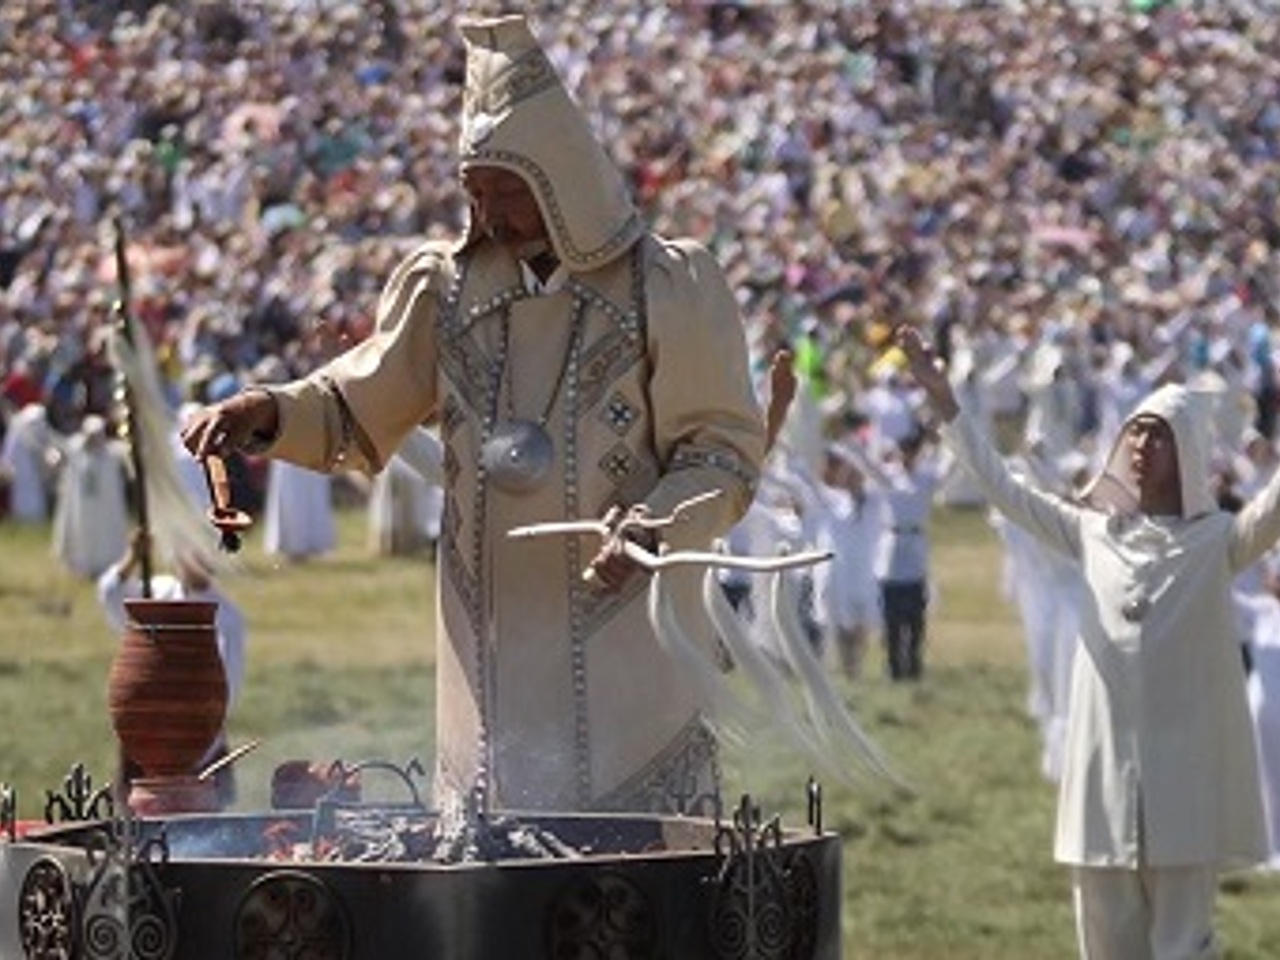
297 513
772 524
956 488
1234 408
91 513
28 462
404 504
1264 706
889 408
998 362
841 514
1255 463
1261 615
1045 588
1053 401
1160 789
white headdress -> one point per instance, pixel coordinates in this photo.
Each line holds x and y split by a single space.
1189 415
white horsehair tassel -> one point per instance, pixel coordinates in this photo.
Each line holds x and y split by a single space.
837 727
771 687
730 714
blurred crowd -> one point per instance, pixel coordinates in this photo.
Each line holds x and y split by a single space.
1099 180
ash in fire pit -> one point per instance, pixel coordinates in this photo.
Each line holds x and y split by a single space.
343 828
470 834
409 832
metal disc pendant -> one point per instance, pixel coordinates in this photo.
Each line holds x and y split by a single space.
518 456
1135 609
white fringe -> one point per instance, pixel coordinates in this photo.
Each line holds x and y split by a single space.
794 699
176 526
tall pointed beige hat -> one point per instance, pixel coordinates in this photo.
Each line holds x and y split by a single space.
517 115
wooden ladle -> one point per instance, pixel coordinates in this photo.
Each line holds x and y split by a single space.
229 521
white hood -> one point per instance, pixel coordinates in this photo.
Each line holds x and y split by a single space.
1189 415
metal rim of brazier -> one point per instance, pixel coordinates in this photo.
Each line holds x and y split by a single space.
630 887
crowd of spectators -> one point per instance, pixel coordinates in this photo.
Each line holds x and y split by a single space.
1105 174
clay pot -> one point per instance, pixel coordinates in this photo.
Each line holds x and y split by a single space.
167 691
162 796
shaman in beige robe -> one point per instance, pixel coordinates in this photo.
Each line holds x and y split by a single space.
551 695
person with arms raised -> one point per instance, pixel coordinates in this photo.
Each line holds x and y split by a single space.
1159 789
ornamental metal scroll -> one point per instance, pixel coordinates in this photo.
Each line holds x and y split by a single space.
603 915
121 911
326 823
766 902
290 913
127 911
47 912
79 800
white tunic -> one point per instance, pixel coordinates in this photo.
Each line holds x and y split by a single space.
1160 765
402 507
91 519
298 513
1264 705
24 457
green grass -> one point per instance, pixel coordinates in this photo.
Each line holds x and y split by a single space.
340 665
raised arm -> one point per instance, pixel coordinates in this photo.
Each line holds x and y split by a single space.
1257 525
1047 517
782 391
928 372
857 456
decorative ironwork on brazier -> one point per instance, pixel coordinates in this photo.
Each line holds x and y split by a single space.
292 914
603 915
79 800
346 880
766 905
47 912
117 910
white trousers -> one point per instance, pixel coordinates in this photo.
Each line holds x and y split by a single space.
1147 914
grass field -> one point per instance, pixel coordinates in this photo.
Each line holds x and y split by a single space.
340 665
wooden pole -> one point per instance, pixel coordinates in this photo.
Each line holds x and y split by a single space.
133 434
124 321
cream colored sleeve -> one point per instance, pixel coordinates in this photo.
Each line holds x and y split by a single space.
352 413
708 426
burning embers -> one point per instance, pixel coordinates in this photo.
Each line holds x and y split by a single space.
374 835
365 836
323 819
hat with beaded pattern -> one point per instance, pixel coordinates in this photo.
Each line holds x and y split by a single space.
518 116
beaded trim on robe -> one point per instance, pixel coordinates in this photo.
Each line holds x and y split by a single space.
683 779
472 395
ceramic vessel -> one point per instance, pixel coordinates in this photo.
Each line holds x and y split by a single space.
162 796
167 691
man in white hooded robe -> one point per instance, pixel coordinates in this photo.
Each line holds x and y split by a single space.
1160 788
